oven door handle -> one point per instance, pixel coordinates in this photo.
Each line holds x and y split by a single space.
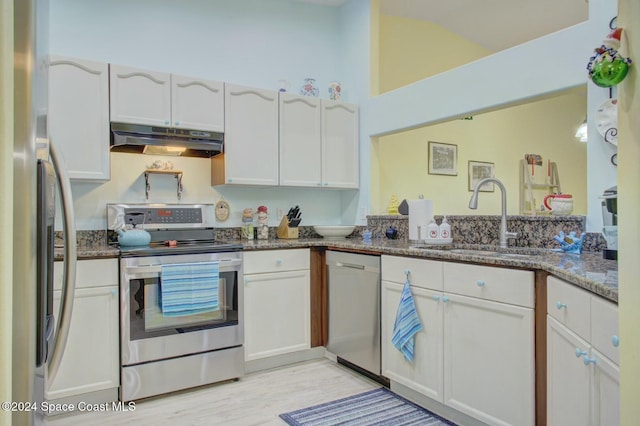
226 265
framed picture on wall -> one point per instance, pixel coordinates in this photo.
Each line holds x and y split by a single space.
443 159
479 170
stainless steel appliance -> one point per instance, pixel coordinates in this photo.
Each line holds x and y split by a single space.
156 140
610 221
162 352
38 172
354 328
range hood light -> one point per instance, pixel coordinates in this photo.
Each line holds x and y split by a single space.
163 150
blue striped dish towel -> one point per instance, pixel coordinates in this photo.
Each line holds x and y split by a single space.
189 288
407 324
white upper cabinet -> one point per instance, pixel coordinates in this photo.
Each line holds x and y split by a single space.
340 152
318 143
79 115
197 104
161 99
140 96
300 141
251 138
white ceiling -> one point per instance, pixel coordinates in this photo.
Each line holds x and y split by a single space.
494 24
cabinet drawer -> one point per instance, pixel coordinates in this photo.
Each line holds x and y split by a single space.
256 262
604 327
485 282
89 273
423 273
570 305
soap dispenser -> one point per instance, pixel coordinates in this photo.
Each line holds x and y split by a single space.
432 229
444 230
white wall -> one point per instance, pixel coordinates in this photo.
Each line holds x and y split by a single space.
249 42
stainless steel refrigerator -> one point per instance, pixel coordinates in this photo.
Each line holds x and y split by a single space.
39 177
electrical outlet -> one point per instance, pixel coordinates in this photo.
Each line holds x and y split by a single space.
363 213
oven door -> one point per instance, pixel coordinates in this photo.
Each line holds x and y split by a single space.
149 332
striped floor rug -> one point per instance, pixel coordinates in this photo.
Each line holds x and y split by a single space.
377 407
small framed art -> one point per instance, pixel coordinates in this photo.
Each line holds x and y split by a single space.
443 159
479 170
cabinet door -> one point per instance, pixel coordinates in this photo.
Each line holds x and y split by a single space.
197 104
605 391
300 137
140 96
277 313
568 379
79 115
489 360
340 152
91 360
251 136
425 373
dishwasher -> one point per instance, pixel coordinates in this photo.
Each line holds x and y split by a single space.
354 311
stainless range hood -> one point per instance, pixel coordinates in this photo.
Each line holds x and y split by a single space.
155 140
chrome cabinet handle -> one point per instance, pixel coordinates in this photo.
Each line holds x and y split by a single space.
615 341
580 353
480 283
588 360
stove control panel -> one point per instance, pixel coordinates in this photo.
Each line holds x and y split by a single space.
162 216
173 215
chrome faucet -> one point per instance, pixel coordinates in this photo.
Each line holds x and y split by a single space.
473 204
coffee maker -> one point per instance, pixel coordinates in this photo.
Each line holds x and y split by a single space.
610 222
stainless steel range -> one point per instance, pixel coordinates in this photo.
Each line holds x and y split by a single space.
181 301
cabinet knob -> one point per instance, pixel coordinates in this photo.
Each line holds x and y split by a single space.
167 122
115 292
580 352
436 298
229 180
176 123
407 272
588 360
319 184
480 283
560 305
247 280
278 262
445 299
615 341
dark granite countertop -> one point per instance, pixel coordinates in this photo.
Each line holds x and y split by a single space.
588 270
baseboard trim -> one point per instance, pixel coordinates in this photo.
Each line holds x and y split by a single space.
284 359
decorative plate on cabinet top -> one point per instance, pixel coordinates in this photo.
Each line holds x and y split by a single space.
309 87
607 121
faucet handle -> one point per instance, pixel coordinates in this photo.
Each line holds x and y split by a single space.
511 235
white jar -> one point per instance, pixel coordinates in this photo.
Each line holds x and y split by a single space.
444 230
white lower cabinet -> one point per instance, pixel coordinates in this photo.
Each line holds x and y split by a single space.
582 372
91 360
474 354
277 302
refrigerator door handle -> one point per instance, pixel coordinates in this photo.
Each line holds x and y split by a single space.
70 257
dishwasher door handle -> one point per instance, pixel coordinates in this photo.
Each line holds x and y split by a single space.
350 265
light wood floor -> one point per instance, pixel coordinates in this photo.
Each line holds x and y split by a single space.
256 399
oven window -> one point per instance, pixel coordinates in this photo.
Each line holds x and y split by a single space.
148 320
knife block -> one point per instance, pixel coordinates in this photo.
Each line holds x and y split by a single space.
284 231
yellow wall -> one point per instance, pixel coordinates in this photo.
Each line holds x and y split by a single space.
399 162
411 50
6 199
629 221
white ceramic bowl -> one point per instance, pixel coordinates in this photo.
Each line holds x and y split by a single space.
334 232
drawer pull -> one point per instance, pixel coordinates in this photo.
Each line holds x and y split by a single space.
580 353
278 262
407 272
436 298
114 292
480 283
560 305
615 341
588 360
247 280
445 299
